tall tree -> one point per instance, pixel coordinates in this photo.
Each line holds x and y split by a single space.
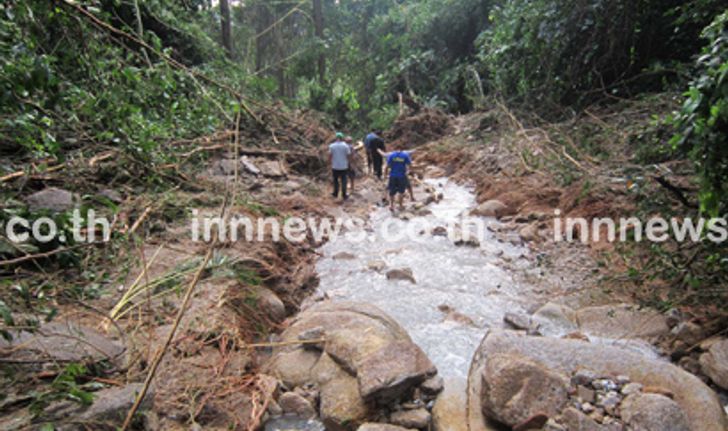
227 41
318 22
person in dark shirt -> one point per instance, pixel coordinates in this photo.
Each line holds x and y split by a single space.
373 144
397 164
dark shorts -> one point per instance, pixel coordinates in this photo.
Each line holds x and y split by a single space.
352 173
397 185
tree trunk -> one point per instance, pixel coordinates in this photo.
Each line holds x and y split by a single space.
227 41
318 22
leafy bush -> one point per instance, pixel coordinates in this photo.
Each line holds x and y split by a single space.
703 121
66 83
549 54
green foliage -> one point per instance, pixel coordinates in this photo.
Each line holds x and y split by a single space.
66 386
703 121
58 94
549 55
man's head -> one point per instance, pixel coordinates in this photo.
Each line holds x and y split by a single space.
378 132
348 140
339 136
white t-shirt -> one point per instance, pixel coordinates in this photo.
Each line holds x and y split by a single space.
340 151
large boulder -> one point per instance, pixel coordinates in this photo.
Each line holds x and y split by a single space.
646 412
714 363
702 409
392 370
516 388
366 359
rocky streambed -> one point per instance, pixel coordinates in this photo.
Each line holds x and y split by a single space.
434 331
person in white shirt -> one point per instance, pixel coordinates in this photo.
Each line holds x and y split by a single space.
339 155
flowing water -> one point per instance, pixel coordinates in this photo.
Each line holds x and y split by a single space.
466 282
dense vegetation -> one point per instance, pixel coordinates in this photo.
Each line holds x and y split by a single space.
138 81
70 78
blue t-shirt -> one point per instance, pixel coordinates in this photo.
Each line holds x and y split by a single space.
397 162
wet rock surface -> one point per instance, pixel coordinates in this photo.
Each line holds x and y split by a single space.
613 377
367 368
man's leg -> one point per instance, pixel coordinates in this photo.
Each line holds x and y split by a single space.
401 201
378 166
336 183
369 161
344 177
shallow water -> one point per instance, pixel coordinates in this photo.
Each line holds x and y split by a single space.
466 279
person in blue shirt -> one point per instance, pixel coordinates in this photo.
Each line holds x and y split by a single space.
409 183
397 164
373 143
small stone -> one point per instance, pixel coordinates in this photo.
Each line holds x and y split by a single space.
714 363
576 336
529 233
622 380
274 409
413 405
631 388
587 407
552 425
587 395
432 386
609 402
293 403
604 385
518 320
439 231
533 423
344 255
53 199
674 317
689 364
597 415
419 418
574 420
583 377
380 427
689 333
404 274
492 208
377 265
